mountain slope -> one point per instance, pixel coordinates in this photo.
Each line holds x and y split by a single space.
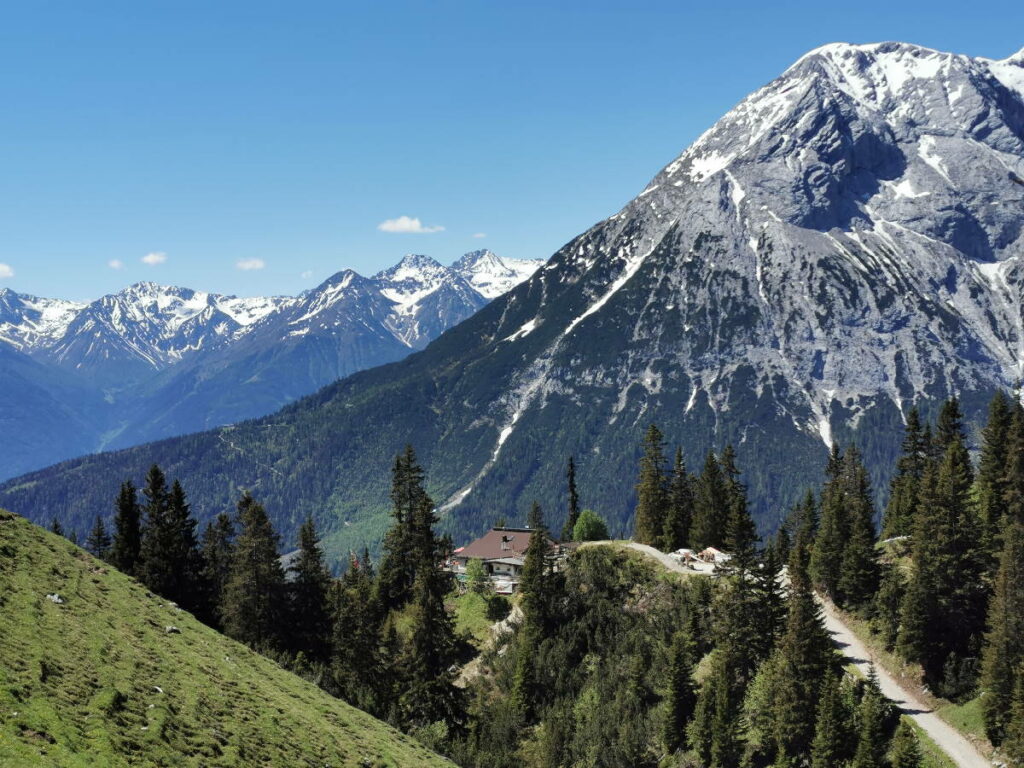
97 679
153 361
845 242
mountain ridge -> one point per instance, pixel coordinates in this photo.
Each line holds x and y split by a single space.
843 243
155 361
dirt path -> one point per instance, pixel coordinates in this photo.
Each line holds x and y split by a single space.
950 741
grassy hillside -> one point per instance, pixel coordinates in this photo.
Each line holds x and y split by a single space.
99 679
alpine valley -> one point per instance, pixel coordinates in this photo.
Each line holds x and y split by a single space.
155 361
844 243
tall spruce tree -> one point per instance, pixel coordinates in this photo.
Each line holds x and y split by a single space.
681 697
943 610
397 572
904 489
309 623
430 694
573 512
679 513
871 740
253 607
711 507
127 544
536 600
905 751
359 666
651 491
831 745
833 530
991 483
98 542
170 560
1013 476
859 570
216 550
1004 643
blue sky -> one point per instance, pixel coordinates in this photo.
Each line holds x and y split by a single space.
283 134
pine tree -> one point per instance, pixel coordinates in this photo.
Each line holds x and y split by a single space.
859 570
536 598
871 739
430 694
574 501
804 658
651 492
904 489
681 698
1013 478
1013 744
714 733
310 624
98 542
711 507
1004 643
127 544
679 514
833 530
740 531
170 560
770 599
56 527
397 573
253 606
216 554
991 484
535 519
831 745
943 611
358 665
905 752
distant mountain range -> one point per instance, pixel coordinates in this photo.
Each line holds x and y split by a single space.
846 242
153 361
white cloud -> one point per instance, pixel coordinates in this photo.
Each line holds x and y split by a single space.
247 265
5 271
115 264
408 225
307 274
479 235
154 258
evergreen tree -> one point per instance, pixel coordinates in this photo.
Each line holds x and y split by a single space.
98 542
904 488
833 530
871 739
831 745
943 611
430 694
1004 643
310 624
216 554
127 544
859 571
535 601
1013 478
398 566
711 507
991 484
56 527
714 733
358 666
535 519
679 514
905 752
1013 744
253 606
740 531
651 492
170 561
803 659
681 697
574 501
770 599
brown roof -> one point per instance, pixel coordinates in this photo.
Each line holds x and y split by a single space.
498 542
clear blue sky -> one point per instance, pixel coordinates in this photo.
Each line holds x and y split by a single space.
217 132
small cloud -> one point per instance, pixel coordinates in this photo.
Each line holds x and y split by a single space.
5 271
479 235
307 274
115 264
154 258
247 265
407 225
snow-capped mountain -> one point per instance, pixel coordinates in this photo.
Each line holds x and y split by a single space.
492 275
846 241
164 360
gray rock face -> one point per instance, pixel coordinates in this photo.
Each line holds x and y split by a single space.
849 232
